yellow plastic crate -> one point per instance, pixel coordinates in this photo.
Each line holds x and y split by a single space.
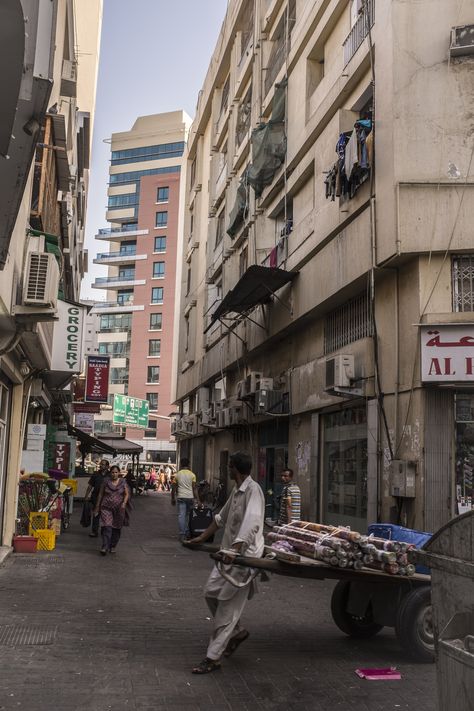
46 539
38 520
72 483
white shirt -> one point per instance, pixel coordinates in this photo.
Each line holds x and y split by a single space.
242 518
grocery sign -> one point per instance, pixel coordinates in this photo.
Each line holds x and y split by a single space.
97 378
130 411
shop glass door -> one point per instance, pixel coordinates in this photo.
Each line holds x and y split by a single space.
464 416
4 413
345 468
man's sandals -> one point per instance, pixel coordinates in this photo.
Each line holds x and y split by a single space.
206 666
209 665
235 641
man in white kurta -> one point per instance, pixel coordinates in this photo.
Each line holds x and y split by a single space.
242 519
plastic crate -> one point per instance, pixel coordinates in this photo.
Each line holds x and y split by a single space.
25 544
392 532
38 520
46 539
72 483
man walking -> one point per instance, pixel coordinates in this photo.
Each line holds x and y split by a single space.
242 519
290 502
93 491
184 493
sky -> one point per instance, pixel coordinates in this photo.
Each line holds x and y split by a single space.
154 58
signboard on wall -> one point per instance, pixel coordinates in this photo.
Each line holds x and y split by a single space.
61 455
84 421
130 411
447 353
97 378
67 338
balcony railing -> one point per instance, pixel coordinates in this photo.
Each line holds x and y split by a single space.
113 230
360 31
112 304
125 253
113 280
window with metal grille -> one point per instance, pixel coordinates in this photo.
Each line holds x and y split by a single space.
156 321
347 324
154 347
152 400
153 374
463 282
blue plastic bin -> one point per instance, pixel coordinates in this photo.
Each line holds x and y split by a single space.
391 532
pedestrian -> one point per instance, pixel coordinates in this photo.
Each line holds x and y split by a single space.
290 502
184 493
242 519
111 505
92 493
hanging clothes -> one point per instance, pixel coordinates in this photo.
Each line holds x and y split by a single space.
273 257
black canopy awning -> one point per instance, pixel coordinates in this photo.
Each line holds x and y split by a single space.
255 286
89 443
122 445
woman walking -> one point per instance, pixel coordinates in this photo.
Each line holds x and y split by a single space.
111 504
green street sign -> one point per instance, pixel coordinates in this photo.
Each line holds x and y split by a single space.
130 411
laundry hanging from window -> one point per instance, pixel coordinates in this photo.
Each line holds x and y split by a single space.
352 167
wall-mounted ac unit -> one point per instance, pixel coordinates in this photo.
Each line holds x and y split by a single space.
240 390
177 426
219 405
236 414
462 41
226 417
339 372
251 381
203 398
190 424
207 418
265 384
271 402
41 280
223 418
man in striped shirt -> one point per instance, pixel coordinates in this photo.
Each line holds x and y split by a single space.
290 504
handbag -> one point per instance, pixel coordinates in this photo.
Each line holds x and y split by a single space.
86 515
200 517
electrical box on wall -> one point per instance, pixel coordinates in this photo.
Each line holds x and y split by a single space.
402 478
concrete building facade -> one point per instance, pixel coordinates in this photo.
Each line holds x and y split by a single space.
48 95
136 323
326 300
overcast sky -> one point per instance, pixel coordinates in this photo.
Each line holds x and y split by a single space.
154 57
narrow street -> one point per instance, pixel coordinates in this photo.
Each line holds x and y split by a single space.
79 632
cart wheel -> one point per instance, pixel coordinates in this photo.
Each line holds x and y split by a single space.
414 625
360 627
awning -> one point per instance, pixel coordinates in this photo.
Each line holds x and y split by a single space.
256 286
60 149
12 38
89 443
122 446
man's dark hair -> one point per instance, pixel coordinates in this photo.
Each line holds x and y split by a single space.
290 471
242 461
184 463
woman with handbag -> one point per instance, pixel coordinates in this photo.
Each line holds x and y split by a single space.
111 505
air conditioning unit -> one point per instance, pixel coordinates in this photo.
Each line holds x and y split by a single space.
339 372
265 384
190 424
207 418
240 390
237 415
219 405
271 402
222 418
176 426
41 281
226 417
462 41
203 398
251 381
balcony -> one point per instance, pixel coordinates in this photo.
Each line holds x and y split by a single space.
117 282
119 234
69 79
118 257
359 31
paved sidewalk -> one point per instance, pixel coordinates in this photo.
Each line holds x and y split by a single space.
79 632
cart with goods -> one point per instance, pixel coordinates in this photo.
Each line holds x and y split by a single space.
43 508
377 583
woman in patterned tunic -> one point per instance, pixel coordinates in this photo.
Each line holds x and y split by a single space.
111 504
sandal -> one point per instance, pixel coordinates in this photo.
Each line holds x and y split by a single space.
235 641
206 666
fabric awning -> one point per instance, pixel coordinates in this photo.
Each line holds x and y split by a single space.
89 443
122 446
255 286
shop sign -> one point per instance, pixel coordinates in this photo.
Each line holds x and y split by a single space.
447 354
36 432
97 378
130 411
67 338
61 454
84 421
86 407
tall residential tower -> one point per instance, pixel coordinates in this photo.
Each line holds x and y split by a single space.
136 321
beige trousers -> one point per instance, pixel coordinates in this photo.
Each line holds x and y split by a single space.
226 614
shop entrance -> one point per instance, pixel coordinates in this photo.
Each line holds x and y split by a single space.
344 467
272 460
464 418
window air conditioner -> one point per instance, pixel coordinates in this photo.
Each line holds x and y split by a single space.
176 426
41 280
222 419
190 424
236 415
251 382
462 41
271 402
240 390
339 372
265 384
207 418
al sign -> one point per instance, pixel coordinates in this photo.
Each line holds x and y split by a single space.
130 411
447 353
67 338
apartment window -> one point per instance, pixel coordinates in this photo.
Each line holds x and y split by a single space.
243 261
186 343
160 244
220 227
347 324
161 219
120 348
126 273
129 247
125 297
128 200
162 194
118 376
157 295
158 270
144 153
225 95
153 374
154 347
152 400
156 321
135 175
151 429
463 282
112 323
192 172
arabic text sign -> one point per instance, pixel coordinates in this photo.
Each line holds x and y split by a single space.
97 378
130 411
447 353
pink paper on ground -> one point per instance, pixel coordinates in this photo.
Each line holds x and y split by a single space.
377 674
